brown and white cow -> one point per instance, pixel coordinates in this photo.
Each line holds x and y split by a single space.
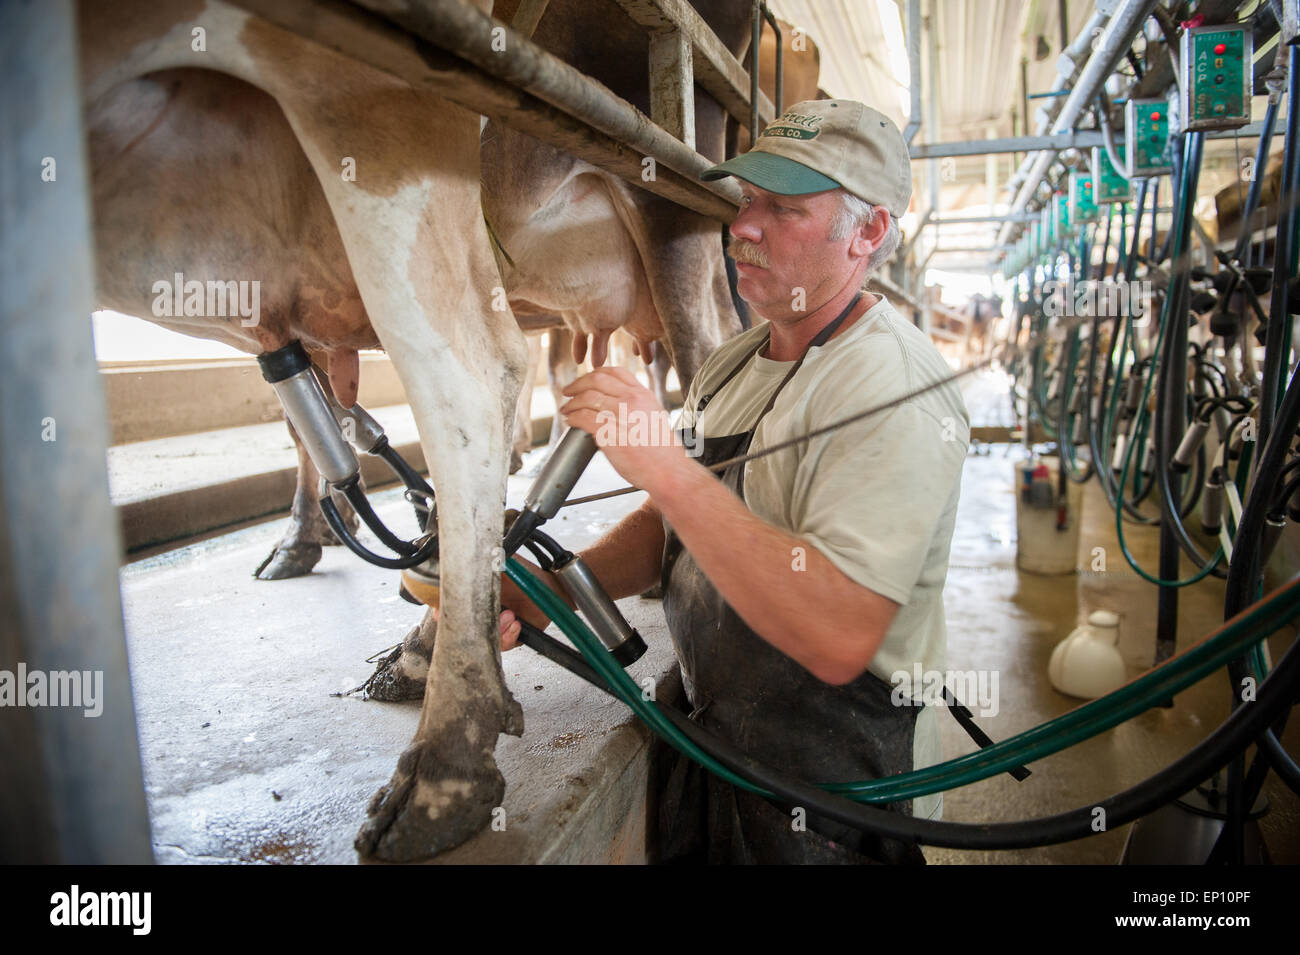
225 148
580 255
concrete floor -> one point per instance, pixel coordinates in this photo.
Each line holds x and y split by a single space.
249 758
1002 619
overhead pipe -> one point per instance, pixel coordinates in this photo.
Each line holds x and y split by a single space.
1068 66
1114 40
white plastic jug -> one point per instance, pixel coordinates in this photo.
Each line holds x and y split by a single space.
1087 663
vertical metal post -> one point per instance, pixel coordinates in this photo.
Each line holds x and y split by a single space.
72 789
1024 104
778 88
672 84
914 71
932 110
755 42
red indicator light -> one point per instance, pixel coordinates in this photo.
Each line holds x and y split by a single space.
1155 117
1220 48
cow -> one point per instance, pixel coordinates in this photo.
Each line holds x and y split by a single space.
981 311
543 292
224 148
585 245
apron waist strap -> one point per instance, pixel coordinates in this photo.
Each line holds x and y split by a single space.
967 721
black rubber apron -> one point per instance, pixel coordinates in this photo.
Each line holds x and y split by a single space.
752 694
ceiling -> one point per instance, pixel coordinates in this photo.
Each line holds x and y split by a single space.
979 45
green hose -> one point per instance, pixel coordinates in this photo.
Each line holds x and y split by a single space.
1051 737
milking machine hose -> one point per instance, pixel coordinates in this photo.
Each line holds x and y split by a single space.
1238 731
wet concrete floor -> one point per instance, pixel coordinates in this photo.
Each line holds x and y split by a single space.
1005 620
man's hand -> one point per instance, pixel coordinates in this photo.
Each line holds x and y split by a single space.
515 606
629 424
510 629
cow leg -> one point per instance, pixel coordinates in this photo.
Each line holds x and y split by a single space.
299 550
403 674
462 364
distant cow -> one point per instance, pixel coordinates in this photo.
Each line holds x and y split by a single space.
981 312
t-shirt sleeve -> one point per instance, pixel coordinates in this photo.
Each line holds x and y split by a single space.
871 495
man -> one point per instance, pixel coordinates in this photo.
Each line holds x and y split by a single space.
795 584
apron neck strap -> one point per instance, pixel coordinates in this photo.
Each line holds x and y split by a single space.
819 339
822 337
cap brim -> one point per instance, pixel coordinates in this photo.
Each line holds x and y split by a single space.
773 173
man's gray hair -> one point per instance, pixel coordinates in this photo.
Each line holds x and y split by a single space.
854 212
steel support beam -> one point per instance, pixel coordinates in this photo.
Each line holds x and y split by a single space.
1083 139
72 791
1076 139
1110 47
716 70
913 69
523 87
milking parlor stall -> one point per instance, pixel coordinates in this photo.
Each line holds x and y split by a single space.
360 503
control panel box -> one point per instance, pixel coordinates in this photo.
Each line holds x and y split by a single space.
1147 138
1217 65
1061 204
1109 185
1083 203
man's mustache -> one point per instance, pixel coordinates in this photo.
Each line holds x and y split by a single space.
742 250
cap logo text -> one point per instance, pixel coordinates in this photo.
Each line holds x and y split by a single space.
793 125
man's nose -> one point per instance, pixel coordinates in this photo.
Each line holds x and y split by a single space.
744 227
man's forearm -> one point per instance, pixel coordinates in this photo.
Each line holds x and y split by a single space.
786 590
627 560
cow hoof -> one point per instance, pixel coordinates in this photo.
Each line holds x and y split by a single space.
516 461
432 803
653 593
390 682
283 562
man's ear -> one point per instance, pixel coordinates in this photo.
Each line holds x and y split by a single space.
869 237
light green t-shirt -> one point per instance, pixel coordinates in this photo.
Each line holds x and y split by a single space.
878 497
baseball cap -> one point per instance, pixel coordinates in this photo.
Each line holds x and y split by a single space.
824 144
